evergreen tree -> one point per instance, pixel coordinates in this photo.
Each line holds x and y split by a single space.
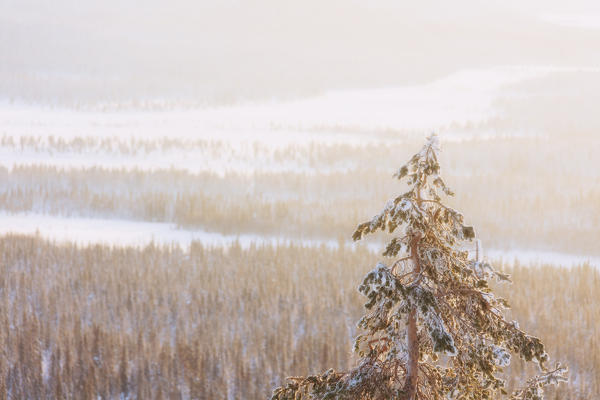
433 329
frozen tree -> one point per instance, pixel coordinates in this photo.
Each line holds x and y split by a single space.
433 328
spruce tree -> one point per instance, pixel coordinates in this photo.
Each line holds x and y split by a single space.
433 328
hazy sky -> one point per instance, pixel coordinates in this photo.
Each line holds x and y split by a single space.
222 51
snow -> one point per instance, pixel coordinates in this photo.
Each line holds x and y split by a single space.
501 356
461 97
119 233
194 161
466 96
350 117
540 257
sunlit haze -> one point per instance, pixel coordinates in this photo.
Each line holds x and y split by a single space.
171 166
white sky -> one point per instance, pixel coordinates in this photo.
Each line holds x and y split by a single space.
73 52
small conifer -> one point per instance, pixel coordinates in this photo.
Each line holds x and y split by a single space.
433 328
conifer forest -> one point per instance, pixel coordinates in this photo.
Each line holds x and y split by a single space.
206 200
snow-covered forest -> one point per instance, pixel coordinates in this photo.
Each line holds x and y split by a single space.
215 323
179 183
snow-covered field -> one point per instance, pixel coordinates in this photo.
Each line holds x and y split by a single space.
352 117
463 97
121 233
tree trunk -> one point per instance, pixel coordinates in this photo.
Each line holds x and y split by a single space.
410 385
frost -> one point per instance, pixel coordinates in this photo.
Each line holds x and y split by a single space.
404 205
441 338
501 356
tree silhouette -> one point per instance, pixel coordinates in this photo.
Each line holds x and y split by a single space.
433 329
